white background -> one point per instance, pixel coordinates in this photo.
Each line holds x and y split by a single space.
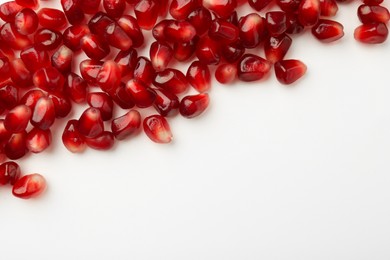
268 172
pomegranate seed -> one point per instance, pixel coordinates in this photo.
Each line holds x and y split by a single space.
43 115
207 51
15 148
90 6
72 139
98 24
73 36
62 59
232 52
91 123
103 102
252 67
9 173
4 133
192 106
122 98
6 51
372 2
48 79
200 18
146 12
180 9
29 186
293 24
126 125
276 22
140 93
172 80
309 12
114 8
8 95
163 6
16 120
157 129
183 51
76 88
328 8
34 59
144 71
179 31
198 75
33 4
252 30
103 141
109 76
374 33
126 61
373 14
160 55
47 39
259 4
26 21
288 71
51 18
62 105
328 30
226 73
276 47
129 24
222 8
20 75
5 72
117 37
221 30
31 97
38 140
8 11
13 38
233 18
158 30
89 70
93 47
73 11
166 103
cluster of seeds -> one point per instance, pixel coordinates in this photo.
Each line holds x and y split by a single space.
39 82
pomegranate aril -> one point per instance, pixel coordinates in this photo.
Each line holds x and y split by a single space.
31 97
288 71
6 51
73 35
309 12
5 70
129 24
160 55
47 39
252 30
43 115
233 18
166 103
4 133
51 18
114 8
373 14
221 30
126 125
208 51
99 22
259 4
62 105
34 59
222 8
192 106
26 21
328 30
91 123
121 97
76 88
289 6
276 22
372 2
198 75
117 37
374 33
232 52
48 79
15 148
89 70
20 75
90 6
109 76
29 186
293 24
126 61
158 30
172 80
252 67
276 47
94 48
13 38
180 9
16 120
144 71
72 139
179 31
328 8
142 95
157 129
200 18
9 95
146 12
62 59
8 11
103 102
28 3
9 173
38 140
226 73
183 51
73 11
103 141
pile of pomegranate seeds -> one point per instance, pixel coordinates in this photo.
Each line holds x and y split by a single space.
39 83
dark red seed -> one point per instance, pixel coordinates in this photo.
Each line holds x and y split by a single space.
62 105
31 97
252 30
146 12
103 141
179 31
29 186
144 71
192 106
4 133
6 51
309 12
288 71
109 76
34 59
293 24
221 30
172 80
372 2
276 22
198 75
72 139
73 11
90 6
276 47
166 103
158 30
91 123
93 47
12 37
20 75
222 8
47 39
328 30
126 125
8 11
122 98
73 36
114 8
26 21
373 14
5 72
51 18
208 51
289 6
183 51
38 140
259 4
9 173
43 115
160 55
103 102
157 129
15 148
89 70
126 60
62 59
76 88
180 9
117 37
49 79
374 33
226 73
328 8
252 67
232 52
9 95
142 95
129 24
200 18
16 120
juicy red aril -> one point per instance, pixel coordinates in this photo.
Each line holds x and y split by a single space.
328 8
252 30
20 75
73 11
172 80
29 186
103 141
109 76
16 120
6 51
117 37
34 59
179 31
252 67
62 59
144 71
374 33
98 24
288 71
9 173
91 123
142 95
166 103
180 9
8 11
158 30
293 24
200 18
373 14
160 55
146 12
73 35
276 22
26 21
62 104
121 97
183 51
4 133
198 75
221 30
259 4
28 3
126 60
90 6
129 24
126 125
43 115
48 79
9 95
157 129
226 73
222 8
31 97
72 139
51 18
276 47
15 148
208 51
13 38
232 52
289 6
5 72
47 39
103 102
76 88
192 106
93 47
89 70
372 2
309 12
327 30
114 8
38 140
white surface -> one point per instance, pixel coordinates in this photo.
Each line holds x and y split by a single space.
269 172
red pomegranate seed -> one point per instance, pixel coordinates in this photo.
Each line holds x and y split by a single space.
76 88
26 21
48 79
222 8
163 6
47 39
72 139
142 95
129 24
104 141
221 30
374 33
122 98
34 59
252 67
289 6
126 125
157 129
144 71
8 10
226 73
158 30
13 38
259 4
43 115
73 36
200 18
180 9
208 51
91 123
93 47
160 55
192 106
5 72
9 95
288 71
4 133
276 47
372 2
31 97
6 51
328 8
73 11
51 18
373 14
38 140
9 173
276 22
166 103
232 52
62 105
233 18
109 76
252 30
126 60
328 30
103 102
172 80
20 75
183 51
98 24
90 6
16 120
198 75
179 31
146 12
28 3
293 24
309 12
89 70
117 37
29 186
62 59
114 8
15 148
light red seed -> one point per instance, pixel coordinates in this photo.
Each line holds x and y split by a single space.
192 106
29 186
289 71
38 140
328 30
157 129
72 139
226 73
374 33
198 75
126 125
90 123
